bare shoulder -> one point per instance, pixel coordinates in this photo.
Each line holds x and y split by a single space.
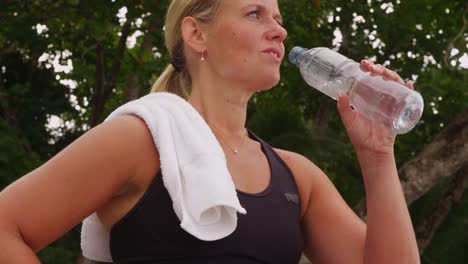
306 174
296 160
78 180
127 142
133 137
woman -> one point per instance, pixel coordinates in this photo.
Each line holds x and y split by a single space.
223 52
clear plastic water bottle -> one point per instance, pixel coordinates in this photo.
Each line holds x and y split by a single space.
387 102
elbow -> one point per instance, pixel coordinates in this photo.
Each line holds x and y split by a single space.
10 233
14 248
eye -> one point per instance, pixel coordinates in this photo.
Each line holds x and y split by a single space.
253 14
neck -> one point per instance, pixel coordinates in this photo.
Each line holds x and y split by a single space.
223 105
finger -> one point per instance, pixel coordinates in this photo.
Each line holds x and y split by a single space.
345 110
366 64
378 69
392 75
410 84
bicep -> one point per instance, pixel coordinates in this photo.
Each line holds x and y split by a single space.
332 232
50 200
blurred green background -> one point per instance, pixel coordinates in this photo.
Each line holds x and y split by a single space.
65 64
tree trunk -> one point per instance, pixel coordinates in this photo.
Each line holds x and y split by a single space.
439 160
451 197
132 89
5 109
96 103
104 86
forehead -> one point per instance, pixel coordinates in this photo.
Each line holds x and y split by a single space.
235 5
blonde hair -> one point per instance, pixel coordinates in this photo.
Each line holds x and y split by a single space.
178 81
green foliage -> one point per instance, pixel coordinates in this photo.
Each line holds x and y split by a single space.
15 160
450 242
291 116
62 251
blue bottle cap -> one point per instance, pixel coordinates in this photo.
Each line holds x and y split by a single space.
296 54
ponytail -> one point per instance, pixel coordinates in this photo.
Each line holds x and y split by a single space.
172 81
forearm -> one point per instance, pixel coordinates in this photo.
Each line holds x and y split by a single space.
14 250
390 235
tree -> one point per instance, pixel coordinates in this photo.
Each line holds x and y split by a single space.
75 61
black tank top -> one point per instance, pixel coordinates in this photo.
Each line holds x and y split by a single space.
269 233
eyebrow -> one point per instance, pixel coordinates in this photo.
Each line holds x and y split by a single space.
263 8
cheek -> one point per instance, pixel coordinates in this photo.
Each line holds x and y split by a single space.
240 44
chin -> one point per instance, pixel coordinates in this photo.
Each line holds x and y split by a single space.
268 82
261 80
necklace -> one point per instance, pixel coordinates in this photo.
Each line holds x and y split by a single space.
234 150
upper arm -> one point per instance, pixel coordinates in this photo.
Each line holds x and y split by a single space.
47 202
332 232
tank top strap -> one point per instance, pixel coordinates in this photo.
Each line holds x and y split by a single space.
281 174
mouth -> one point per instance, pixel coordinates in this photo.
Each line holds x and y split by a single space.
275 53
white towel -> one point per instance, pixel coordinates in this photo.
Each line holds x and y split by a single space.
194 173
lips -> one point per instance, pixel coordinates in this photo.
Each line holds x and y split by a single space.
275 53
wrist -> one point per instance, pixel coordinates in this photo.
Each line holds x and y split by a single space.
374 159
374 146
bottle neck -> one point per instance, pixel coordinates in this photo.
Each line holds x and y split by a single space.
296 54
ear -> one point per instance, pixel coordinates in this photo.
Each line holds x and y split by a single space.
194 34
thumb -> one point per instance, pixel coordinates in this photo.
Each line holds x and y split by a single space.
344 108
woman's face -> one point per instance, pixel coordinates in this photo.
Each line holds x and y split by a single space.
245 44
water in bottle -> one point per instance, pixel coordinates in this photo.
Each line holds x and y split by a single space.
387 102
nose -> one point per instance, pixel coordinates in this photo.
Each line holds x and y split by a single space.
277 32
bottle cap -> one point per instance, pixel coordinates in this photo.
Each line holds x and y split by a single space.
296 54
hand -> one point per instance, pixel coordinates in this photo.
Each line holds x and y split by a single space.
364 134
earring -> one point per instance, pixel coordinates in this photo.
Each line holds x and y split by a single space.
202 56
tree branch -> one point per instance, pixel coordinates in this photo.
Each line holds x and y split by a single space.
118 57
451 197
96 98
100 71
451 45
147 44
132 88
4 109
104 88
